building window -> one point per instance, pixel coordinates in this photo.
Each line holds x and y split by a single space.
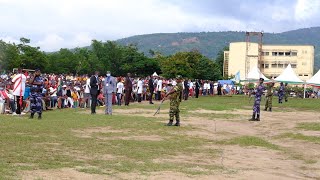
294 65
274 53
306 75
300 74
280 65
294 53
281 53
266 65
274 65
287 53
265 53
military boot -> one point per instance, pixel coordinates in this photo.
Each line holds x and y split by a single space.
253 117
40 116
169 123
265 109
270 109
177 123
258 117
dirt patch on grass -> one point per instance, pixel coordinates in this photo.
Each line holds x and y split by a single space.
134 138
294 159
135 112
65 173
88 132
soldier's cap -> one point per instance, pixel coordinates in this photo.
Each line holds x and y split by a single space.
261 79
179 77
37 69
108 72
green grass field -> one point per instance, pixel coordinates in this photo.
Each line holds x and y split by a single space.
107 145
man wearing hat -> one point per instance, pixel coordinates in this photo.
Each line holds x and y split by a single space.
109 89
36 94
175 99
256 106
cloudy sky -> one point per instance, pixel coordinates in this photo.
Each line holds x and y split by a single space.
55 24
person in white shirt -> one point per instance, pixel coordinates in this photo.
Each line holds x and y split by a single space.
87 95
206 88
191 88
174 83
53 96
18 89
120 90
139 90
159 89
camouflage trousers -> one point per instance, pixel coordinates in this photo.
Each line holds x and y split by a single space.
35 103
256 105
268 102
286 97
280 95
174 110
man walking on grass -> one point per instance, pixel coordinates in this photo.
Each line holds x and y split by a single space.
94 91
175 99
269 96
18 89
109 88
256 106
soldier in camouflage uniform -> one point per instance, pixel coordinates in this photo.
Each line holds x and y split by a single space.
269 96
175 99
256 106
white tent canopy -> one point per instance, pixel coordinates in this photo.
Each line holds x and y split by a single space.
154 74
289 76
315 80
255 74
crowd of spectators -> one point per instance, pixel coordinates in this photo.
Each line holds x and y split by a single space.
73 91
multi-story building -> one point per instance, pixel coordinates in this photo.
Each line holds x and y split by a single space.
274 59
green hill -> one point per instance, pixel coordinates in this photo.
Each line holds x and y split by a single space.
210 43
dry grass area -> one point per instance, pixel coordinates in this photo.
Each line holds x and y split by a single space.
231 147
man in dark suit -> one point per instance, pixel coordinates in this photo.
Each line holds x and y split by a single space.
186 89
128 89
94 91
197 89
151 89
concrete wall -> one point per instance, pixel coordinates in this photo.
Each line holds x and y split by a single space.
274 59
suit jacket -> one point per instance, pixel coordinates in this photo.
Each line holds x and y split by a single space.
128 83
109 85
93 85
151 85
186 85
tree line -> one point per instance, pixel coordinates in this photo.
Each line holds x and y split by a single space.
104 56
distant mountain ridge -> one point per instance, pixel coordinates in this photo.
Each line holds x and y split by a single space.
210 43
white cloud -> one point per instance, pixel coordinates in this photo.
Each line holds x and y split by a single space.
9 39
306 9
66 24
51 42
